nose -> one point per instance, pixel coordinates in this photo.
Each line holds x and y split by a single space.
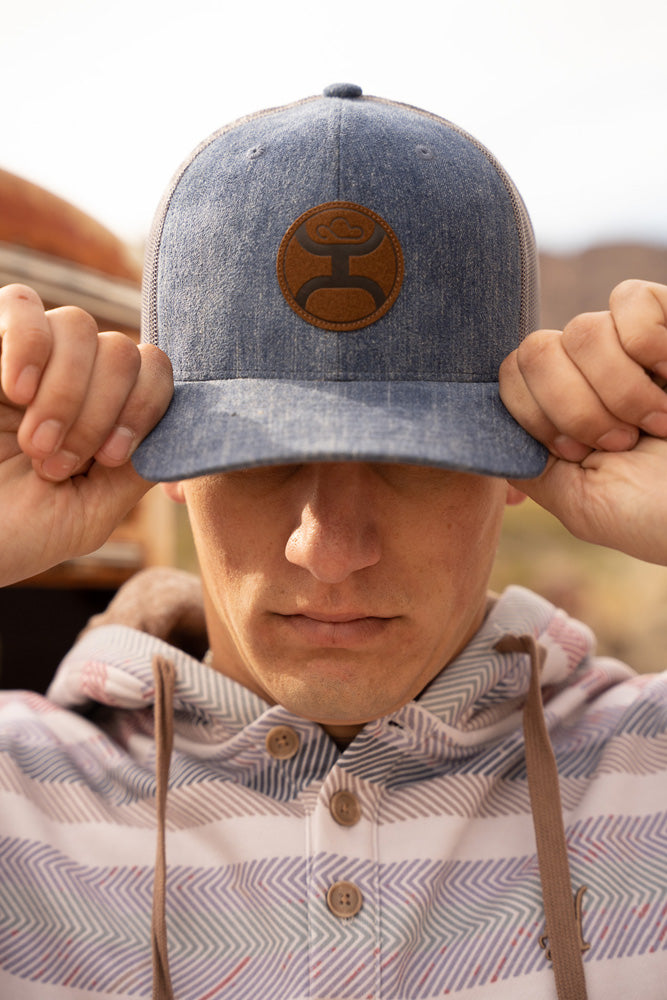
337 532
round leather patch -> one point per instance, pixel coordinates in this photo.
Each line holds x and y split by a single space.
340 266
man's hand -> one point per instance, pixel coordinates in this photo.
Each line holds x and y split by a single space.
592 394
74 404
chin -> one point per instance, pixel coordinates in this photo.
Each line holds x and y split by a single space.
334 702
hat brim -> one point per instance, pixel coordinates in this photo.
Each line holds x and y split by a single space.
223 425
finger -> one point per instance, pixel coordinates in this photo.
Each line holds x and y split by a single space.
130 390
639 310
26 343
145 406
110 494
107 387
566 398
594 343
64 382
524 408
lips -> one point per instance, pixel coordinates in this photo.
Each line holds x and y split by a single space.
344 629
335 619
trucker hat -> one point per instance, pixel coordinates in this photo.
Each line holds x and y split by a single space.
339 279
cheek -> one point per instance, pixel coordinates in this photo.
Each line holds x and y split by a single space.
460 542
454 584
224 531
226 563
217 542
237 555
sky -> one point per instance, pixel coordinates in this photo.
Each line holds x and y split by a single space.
102 101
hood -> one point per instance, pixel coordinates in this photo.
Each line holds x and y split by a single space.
478 698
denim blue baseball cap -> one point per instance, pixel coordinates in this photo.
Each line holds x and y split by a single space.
339 279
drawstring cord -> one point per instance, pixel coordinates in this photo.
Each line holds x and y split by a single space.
164 679
559 909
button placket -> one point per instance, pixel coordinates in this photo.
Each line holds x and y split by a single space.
344 878
344 898
345 808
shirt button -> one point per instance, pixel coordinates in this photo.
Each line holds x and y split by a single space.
344 899
282 742
344 807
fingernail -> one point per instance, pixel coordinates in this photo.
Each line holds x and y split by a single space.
655 424
47 436
119 445
617 440
26 384
61 465
569 449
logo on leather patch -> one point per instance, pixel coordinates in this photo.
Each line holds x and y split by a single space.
340 266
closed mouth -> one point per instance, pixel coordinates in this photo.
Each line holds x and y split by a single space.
340 629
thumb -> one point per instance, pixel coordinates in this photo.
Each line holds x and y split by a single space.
559 489
105 496
615 499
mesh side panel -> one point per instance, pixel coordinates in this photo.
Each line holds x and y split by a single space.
530 272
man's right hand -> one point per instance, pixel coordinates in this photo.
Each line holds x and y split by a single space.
74 404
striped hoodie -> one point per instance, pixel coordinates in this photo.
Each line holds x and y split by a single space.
403 868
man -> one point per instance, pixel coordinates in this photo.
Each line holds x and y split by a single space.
355 790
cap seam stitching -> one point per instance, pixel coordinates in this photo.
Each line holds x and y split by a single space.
339 129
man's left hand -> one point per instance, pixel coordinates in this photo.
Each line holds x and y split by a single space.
593 395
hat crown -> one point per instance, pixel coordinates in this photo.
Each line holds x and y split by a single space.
468 289
339 278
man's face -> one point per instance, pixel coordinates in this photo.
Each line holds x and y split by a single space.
340 590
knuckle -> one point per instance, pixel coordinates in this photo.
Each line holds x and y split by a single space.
637 343
628 289
75 322
532 351
508 364
121 352
584 328
156 361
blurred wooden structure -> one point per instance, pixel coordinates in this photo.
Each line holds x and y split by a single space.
70 259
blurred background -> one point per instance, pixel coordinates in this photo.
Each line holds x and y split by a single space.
101 102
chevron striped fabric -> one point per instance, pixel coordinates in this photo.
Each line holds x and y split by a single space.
441 857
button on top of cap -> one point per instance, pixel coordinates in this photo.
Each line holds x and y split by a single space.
343 90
